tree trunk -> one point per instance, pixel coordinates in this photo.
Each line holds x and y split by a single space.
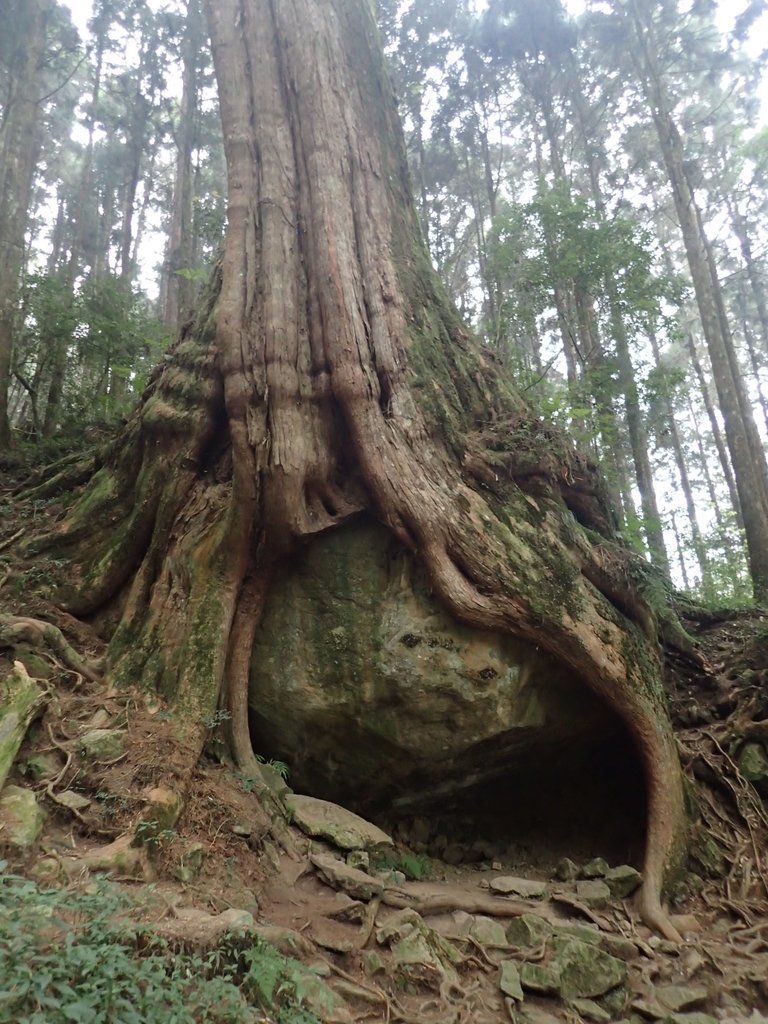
744 445
18 141
179 250
328 376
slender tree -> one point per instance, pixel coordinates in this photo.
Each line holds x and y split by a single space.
18 142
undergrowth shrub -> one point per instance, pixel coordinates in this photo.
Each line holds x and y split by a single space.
73 957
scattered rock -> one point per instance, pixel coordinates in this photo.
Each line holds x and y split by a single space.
527 930
623 880
753 763
509 980
235 920
507 885
325 820
414 945
21 818
681 997
71 800
582 932
20 699
541 978
704 1018
648 1010
585 971
390 878
332 935
241 829
100 720
102 744
591 1010
41 767
372 963
164 805
595 868
340 876
488 932
593 893
359 859
618 946
567 870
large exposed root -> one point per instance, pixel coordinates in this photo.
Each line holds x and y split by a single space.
22 630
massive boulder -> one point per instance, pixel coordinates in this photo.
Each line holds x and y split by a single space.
374 696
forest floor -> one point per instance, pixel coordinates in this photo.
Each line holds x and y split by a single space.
420 941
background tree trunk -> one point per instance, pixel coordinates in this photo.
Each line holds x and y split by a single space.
18 141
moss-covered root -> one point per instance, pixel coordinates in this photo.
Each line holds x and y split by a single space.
20 700
20 629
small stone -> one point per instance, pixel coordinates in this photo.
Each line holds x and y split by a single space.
71 800
594 893
320 968
526 887
618 946
681 997
753 763
102 744
359 859
541 978
340 876
527 931
330 936
704 1018
615 1001
415 945
488 932
100 720
21 818
582 932
509 980
591 1010
372 963
567 870
598 867
496 865
326 820
623 880
648 1010
235 920
390 878
41 766
585 971
242 830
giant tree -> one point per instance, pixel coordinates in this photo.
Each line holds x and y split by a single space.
327 377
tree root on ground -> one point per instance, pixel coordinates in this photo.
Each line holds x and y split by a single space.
37 633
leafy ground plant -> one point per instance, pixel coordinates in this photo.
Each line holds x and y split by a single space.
69 956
